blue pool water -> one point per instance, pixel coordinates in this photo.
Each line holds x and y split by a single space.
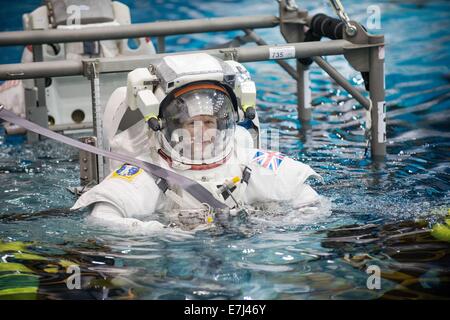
380 212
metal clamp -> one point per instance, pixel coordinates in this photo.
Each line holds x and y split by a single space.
162 184
88 163
91 68
291 5
350 29
229 54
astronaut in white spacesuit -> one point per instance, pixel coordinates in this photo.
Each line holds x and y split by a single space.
195 105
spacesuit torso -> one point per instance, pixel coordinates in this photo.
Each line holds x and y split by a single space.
195 109
264 176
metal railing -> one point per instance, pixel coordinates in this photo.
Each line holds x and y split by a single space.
364 52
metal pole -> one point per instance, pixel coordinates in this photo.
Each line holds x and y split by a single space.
303 93
333 73
299 50
97 115
162 28
44 69
259 41
292 20
36 109
378 112
126 64
161 44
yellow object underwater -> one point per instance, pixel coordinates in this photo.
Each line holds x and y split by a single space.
20 281
441 231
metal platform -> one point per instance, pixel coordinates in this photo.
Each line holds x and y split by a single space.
364 52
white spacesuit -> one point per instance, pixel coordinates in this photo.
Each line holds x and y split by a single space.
194 106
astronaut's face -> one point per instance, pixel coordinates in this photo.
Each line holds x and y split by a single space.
199 125
203 124
202 130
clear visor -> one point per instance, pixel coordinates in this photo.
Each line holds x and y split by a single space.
199 125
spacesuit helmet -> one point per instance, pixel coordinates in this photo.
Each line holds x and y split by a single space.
198 122
192 104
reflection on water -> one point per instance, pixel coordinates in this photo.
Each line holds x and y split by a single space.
378 214
416 263
413 265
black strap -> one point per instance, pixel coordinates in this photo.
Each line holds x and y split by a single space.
246 174
162 185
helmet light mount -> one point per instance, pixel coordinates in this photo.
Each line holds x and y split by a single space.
177 71
178 77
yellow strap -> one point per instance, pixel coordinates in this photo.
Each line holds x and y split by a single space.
245 107
12 266
7 292
235 180
149 116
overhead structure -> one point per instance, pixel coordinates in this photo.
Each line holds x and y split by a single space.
302 32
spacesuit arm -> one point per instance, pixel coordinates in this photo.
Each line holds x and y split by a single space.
107 215
285 180
305 197
127 193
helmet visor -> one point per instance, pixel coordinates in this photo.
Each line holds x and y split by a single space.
198 125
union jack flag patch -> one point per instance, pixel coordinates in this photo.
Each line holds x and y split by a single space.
268 159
